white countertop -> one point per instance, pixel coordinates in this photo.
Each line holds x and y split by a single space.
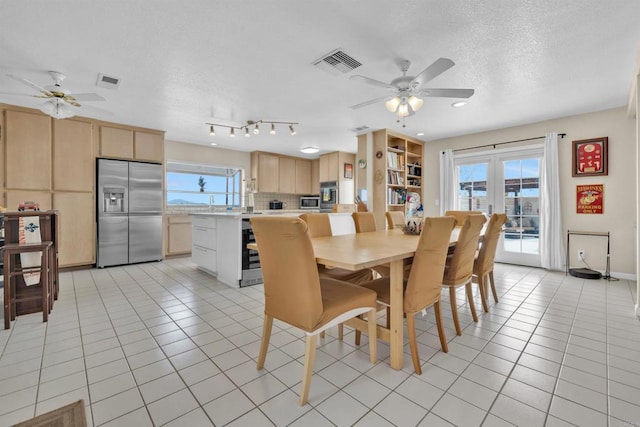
240 215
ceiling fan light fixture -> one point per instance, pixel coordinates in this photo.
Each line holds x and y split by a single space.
56 109
309 150
415 102
393 104
403 110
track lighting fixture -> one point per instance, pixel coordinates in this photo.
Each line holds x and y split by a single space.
256 127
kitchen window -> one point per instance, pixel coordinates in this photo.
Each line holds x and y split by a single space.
197 185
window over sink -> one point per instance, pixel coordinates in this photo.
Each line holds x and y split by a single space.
198 185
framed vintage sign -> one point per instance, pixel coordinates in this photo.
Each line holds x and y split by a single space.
590 199
590 157
348 171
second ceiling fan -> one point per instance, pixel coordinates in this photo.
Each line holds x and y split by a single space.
407 90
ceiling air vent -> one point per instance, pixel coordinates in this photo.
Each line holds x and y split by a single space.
359 129
337 62
108 82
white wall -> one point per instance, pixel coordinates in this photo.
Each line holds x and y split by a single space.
619 186
196 153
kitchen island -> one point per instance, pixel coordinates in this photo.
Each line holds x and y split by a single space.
220 239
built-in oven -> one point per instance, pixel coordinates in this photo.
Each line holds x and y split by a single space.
251 271
309 202
328 195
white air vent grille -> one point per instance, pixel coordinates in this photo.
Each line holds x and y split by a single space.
337 62
108 82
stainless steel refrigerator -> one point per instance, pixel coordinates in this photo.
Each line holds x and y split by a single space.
129 212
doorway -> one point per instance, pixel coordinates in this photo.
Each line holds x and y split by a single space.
505 181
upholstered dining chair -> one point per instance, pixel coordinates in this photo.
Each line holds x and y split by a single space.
459 268
483 264
424 286
460 216
364 221
395 219
295 294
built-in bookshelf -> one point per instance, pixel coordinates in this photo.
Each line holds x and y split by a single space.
399 159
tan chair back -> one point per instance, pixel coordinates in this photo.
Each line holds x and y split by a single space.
395 219
318 224
460 266
487 253
460 216
425 279
291 282
364 221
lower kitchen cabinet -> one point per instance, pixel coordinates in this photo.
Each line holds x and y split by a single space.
77 232
178 234
205 243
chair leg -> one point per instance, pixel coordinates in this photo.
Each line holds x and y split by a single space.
340 331
413 345
358 335
493 286
388 317
264 344
373 335
309 358
454 309
441 333
483 293
472 306
322 334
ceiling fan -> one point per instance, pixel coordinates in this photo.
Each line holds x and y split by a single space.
407 90
59 99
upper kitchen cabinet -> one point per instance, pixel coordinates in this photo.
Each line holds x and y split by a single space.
265 168
329 167
28 151
71 146
116 142
315 176
287 175
77 235
303 177
148 146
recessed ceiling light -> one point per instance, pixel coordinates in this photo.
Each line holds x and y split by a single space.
309 150
213 143
459 104
420 134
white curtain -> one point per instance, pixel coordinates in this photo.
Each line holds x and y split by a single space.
447 179
552 254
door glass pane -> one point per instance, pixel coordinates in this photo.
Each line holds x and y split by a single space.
522 205
472 187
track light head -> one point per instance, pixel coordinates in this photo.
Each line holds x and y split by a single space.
256 130
273 129
292 130
232 133
212 131
246 132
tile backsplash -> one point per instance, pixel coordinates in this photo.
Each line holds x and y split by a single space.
261 200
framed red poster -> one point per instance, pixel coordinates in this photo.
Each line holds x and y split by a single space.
590 199
590 157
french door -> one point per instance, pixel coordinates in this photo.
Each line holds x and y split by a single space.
505 181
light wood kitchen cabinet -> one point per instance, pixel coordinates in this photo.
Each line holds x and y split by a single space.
116 142
73 158
28 151
15 197
178 234
329 168
315 177
268 173
148 147
303 176
77 234
287 175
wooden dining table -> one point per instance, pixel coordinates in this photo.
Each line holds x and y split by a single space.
370 249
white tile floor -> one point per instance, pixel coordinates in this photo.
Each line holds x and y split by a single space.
164 344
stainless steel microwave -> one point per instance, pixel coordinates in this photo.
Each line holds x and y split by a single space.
309 202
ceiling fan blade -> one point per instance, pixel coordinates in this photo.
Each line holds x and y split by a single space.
371 101
447 93
32 85
87 97
432 71
370 81
19 94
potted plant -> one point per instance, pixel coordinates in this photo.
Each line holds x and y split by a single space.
202 183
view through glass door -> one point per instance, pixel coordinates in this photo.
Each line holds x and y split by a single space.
507 181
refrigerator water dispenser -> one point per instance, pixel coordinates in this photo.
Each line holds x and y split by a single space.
113 199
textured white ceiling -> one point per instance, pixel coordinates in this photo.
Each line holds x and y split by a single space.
183 63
